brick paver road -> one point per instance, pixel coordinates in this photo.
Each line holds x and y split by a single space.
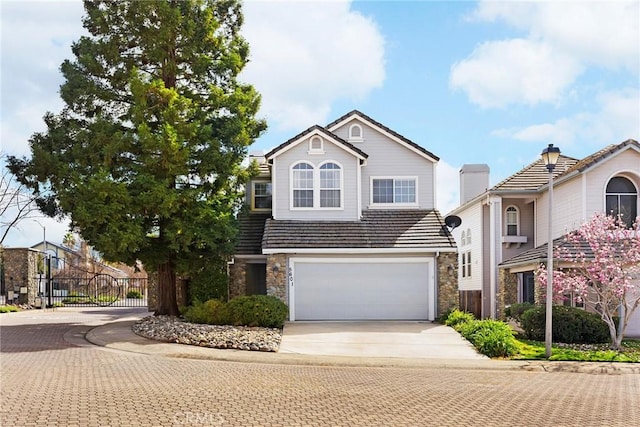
50 376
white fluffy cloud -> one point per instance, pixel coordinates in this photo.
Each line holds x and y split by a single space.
604 33
514 71
617 118
36 38
306 55
562 39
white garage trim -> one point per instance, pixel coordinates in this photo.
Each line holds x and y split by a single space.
430 279
357 251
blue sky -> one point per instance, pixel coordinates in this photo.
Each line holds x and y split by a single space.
472 82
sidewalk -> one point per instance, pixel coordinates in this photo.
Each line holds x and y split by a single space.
119 336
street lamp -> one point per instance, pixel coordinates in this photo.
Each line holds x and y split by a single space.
550 157
44 234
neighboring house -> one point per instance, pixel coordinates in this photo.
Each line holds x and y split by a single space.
341 224
504 228
77 261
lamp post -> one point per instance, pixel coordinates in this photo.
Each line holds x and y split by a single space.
550 157
44 234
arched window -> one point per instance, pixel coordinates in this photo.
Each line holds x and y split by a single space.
330 183
512 221
315 145
468 236
463 238
302 185
622 199
355 133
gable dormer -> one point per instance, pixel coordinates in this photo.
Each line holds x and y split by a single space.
316 176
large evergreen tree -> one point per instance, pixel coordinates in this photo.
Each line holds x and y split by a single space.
145 158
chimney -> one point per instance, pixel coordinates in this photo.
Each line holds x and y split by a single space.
258 156
474 180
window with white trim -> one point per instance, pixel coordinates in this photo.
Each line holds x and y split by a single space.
622 199
387 191
260 195
355 133
330 183
463 238
465 264
302 185
316 187
512 221
468 263
316 145
468 236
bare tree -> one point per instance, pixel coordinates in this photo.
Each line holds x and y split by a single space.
16 202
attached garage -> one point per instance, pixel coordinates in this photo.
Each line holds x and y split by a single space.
371 288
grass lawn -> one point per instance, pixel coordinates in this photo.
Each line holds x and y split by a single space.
534 350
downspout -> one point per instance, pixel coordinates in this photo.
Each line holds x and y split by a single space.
436 278
359 187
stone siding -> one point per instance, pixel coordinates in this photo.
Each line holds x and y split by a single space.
277 276
448 297
21 275
237 278
507 291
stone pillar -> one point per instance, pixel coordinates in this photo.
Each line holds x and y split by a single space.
448 295
237 278
507 291
21 274
277 276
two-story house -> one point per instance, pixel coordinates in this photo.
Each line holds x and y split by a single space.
342 224
503 237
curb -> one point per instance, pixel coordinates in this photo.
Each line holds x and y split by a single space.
119 336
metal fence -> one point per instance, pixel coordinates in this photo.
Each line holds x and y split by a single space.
98 290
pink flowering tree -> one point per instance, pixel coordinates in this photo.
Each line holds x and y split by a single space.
600 266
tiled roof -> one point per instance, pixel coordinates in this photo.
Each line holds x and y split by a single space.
534 176
381 126
308 131
601 155
539 254
408 229
249 241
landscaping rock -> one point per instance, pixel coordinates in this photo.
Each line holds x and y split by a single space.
172 329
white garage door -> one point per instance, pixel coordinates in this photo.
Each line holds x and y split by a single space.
362 289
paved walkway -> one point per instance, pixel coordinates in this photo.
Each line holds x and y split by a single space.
51 376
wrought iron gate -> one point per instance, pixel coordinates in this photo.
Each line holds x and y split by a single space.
98 290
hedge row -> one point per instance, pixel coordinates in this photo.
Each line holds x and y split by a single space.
568 325
491 337
253 310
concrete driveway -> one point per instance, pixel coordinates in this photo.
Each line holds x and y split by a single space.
376 339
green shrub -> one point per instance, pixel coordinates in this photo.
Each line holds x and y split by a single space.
257 310
457 317
569 325
515 310
134 293
8 308
491 337
212 312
